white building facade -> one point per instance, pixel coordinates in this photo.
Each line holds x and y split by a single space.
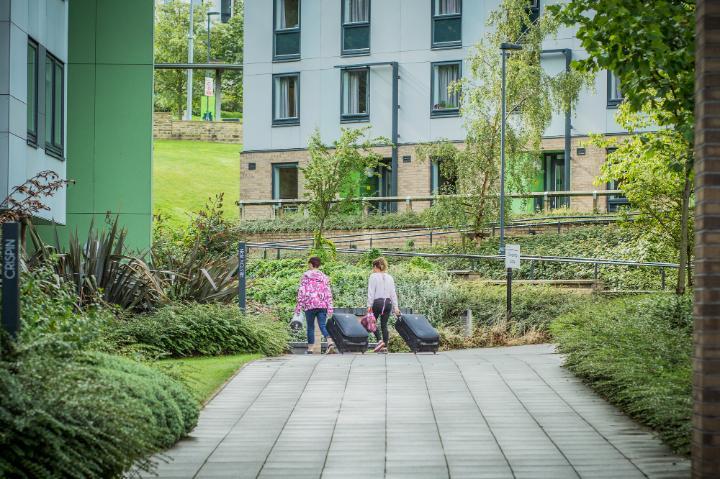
33 59
325 64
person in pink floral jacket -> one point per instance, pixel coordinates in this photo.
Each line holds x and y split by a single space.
314 297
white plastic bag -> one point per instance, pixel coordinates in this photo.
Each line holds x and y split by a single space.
297 323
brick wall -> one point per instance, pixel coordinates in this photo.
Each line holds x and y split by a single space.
706 387
413 177
165 127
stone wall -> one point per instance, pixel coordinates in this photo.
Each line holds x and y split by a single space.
165 127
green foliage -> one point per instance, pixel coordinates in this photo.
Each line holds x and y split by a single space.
654 170
611 242
99 267
197 263
183 330
657 68
291 223
532 96
80 415
227 46
421 286
636 352
50 308
329 182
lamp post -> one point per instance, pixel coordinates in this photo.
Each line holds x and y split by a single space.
209 14
191 34
505 48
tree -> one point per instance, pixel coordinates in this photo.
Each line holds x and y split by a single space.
532 97
649 166
227 46
329 183
652 52
171 46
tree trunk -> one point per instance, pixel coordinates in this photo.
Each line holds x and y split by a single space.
685 214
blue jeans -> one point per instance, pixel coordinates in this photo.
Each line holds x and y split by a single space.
310 315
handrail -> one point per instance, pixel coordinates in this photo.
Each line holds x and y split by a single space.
398 199
550 259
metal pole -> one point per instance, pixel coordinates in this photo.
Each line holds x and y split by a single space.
502 163
242 287
395 137
11 278
191 34
208 37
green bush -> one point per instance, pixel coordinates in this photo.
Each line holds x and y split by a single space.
183 330
422 287
82 415
637 353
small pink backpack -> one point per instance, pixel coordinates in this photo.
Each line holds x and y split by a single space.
369 322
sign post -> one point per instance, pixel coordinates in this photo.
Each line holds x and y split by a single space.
512 261
242 260
11 278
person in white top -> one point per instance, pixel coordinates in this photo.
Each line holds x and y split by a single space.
382 300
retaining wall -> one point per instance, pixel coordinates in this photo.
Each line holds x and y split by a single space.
165 127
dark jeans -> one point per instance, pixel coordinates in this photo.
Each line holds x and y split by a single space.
310 315
381 309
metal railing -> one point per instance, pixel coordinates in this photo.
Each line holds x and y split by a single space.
433 232
533 259
278 206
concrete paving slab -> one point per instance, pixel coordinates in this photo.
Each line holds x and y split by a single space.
483 413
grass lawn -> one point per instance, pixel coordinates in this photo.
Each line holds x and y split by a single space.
187 173
205 375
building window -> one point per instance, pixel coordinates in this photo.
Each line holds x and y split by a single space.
355 27
287 30
445 102
534 11
286 99
442 182
32 92
355 94
285 181
54 104
614 92
446 23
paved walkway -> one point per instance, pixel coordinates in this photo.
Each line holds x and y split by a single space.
486 413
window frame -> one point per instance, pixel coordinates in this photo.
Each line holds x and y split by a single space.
32 136
357 25
614 202
611 101
275 187
354 118
52 147
433 19
292 121
447 112
294 56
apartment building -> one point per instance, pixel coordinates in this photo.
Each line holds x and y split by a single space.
76 98
325 64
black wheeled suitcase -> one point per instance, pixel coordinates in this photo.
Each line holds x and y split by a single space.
348 334
418 333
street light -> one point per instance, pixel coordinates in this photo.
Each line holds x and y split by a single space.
209 14
505 48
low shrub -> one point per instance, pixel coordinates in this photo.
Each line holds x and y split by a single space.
74 414
637 353
183 330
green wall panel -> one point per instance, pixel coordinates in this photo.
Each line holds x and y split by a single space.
124 143
109 116
122 29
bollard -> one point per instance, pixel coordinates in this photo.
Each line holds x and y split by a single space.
431 238
468 323
11 278
242 259
532 269
278 254
662 276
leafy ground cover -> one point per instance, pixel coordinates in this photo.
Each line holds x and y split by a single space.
187 173
636 352
204 375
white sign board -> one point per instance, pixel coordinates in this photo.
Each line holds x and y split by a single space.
209 86
512 256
